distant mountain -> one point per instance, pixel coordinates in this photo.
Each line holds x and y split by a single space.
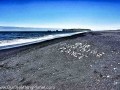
11 28
76 30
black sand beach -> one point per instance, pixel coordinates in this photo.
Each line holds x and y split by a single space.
88 61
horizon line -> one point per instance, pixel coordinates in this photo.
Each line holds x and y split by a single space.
37 27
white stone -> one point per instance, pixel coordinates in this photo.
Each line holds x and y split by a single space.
115 83
114 68
108 76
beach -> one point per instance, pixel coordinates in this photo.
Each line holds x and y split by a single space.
86 61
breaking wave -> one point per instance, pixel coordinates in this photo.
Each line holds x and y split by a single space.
6 44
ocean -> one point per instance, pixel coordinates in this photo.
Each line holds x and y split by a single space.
16 39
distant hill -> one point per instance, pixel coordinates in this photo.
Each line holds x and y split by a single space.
76 30
11 28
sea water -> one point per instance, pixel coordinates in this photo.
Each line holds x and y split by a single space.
16 39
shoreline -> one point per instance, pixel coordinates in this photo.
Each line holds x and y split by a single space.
39 41
11 51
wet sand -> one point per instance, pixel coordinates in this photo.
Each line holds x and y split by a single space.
89 61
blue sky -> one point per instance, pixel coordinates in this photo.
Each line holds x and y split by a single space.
93 14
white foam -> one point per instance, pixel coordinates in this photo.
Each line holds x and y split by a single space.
21 42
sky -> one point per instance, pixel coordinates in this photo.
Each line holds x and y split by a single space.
92 14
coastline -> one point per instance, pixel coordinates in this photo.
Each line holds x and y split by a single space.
40 44
80 62
39 40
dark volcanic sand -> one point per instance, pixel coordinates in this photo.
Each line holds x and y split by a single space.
89 61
